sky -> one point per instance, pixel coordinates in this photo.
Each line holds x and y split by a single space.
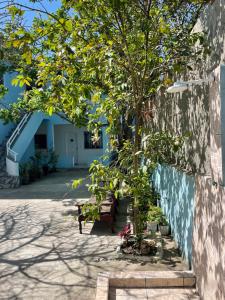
50 6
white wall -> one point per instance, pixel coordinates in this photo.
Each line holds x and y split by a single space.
12 167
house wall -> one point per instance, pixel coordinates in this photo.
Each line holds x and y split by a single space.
66 139
12 95
183 113
46 126
209 239
41 123
203 111
209 219
27 134
73 153
30 151
177 191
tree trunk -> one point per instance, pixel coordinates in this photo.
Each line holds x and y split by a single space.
137 147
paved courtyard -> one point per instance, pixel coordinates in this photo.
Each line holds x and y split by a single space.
42 254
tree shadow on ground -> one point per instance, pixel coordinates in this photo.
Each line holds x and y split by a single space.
40 257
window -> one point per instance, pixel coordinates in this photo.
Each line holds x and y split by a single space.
40 141
89 143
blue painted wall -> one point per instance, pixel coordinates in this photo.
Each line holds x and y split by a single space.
11 96
177 191
30 151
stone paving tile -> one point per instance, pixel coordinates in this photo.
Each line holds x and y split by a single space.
42 254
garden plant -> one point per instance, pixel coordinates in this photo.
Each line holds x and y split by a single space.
99 62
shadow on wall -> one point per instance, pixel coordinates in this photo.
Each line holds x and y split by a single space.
209 239
183 113
189 111
212 21
177 201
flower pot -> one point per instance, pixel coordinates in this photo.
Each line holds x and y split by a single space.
164 229
25 179
45 170
152 226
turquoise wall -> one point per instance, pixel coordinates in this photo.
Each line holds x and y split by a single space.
30 151
177 191
11 96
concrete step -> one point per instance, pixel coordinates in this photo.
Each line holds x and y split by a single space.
153 294
161 285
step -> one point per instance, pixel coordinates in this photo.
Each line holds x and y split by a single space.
160 285
153 294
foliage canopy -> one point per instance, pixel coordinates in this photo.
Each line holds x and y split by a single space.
103 60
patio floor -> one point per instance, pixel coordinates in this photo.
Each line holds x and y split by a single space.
42 254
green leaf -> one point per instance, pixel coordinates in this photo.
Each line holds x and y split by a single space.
15 81
28 57
95 98
76 183
69 25
50 110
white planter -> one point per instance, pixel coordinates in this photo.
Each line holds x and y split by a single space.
164 229
152 226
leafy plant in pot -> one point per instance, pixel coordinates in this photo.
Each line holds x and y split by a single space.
153 219
52 161
36 169
164 226
24 174
125 234
45 166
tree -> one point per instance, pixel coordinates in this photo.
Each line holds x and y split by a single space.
113 55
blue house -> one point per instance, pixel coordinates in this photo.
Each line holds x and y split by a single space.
40 132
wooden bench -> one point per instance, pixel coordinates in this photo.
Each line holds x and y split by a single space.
107 211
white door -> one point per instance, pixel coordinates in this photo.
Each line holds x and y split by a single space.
71 148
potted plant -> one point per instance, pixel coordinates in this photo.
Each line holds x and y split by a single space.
52 162
153 219
24 174
164 226
45 169
45 166
36 165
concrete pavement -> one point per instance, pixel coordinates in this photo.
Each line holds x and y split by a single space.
42 254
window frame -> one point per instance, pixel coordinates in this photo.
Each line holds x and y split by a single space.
89 144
